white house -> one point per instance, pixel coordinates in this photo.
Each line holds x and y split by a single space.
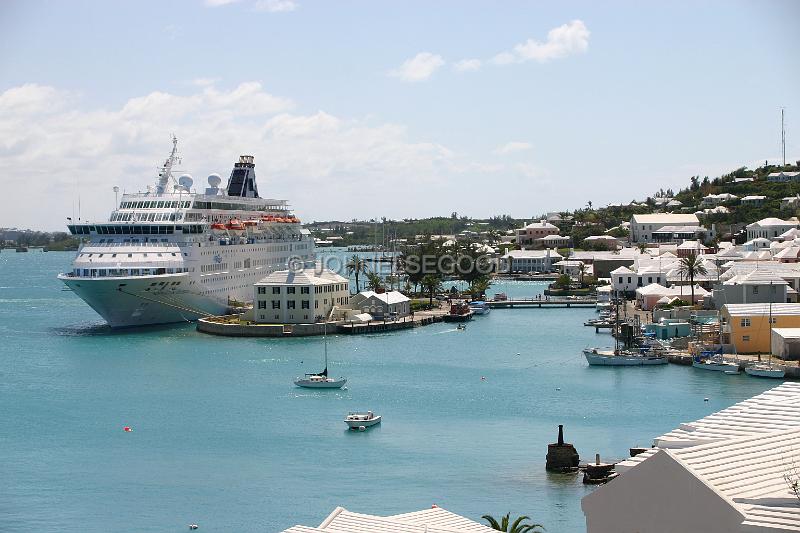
783 176
721 474
770 227
305 296
642 226
381 304
790 202
530 260
625 280
717 199
432 520
753 200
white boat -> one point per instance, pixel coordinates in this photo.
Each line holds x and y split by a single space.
716 363
172 254
610 357
321 380
764 370
359 420
480 307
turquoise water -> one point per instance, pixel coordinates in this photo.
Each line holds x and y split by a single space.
223 439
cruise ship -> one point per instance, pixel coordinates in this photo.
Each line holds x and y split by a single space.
173 255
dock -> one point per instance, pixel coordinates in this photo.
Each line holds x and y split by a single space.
378 326
539 304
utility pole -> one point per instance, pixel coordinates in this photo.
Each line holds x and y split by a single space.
783 136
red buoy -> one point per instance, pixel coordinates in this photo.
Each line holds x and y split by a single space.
127 429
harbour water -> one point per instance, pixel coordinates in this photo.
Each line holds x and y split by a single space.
223 439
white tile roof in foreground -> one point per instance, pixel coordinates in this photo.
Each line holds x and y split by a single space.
742 454
433 520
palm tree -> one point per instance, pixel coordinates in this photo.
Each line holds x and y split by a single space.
356 266
518 526
432 283
582 268
642 246
374 281
691 266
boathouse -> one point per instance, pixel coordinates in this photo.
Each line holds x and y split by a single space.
381 304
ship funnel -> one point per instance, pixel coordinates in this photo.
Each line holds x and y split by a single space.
243 178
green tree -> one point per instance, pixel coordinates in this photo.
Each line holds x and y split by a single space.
563 281
518 526
582 268
374 281
691 266
431 283
356 266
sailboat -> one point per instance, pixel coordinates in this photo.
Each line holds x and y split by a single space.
620 357
766 370
321 380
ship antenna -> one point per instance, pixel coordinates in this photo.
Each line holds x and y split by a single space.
783 136
165 173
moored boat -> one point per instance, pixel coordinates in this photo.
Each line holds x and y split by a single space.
596 357
359 420
459 312
764 370
479 307
716 363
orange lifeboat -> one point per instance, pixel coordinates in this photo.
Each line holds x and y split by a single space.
217 226
250 222
235 225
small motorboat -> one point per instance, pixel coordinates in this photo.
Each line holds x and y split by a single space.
461 327
480 307
597 357
763 370
362 420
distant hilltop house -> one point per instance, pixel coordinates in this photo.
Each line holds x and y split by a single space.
643 226
783 176
770 227
530 236
718 199
790 202
754 200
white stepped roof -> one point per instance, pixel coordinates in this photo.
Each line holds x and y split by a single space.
434 520
761 518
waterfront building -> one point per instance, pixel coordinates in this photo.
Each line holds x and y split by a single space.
770 228
783 176
648 296
528 236
604 262
299 297
526 261
785 343
753 287
747 326
723 473
572 268
642 226
433 520
626 281
381 305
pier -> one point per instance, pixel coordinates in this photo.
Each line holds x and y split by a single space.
539 304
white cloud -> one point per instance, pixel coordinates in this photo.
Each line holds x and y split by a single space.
467 65
217 3
203 82
275 6
52 145
512 147
418 68
568 39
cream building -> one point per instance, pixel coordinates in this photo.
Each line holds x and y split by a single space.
302 297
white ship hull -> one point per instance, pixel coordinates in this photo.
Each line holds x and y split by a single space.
133 301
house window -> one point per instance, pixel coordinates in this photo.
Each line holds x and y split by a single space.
290 304
755 289
305 304
316 304
629 279
262 304
620 279
262 290
773 320
745 338
276 290
745 323
276 304
303 290
289 290
649 279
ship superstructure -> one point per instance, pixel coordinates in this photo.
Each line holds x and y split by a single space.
171 254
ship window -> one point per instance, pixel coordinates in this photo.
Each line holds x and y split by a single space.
113 255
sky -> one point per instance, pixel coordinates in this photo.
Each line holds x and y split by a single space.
403 109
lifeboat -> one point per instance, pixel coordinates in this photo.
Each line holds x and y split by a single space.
235 225
268 218
217 226
250 223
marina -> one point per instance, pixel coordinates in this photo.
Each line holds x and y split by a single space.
233 402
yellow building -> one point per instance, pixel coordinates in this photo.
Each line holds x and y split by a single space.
748 328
